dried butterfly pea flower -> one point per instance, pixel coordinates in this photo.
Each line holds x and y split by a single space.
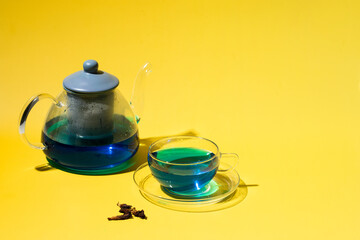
124 205
125 210
128 211
139 214
121 217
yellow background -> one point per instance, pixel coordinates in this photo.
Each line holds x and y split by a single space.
275 81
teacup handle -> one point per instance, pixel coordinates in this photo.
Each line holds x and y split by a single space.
25 113
232 157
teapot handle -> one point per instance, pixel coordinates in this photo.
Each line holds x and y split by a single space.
232 160
24 114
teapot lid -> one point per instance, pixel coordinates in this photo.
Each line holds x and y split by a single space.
90 80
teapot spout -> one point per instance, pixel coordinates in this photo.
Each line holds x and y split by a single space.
137 97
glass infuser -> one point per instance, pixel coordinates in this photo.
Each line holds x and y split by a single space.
90 128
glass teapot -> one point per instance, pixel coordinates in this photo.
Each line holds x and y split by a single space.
90 128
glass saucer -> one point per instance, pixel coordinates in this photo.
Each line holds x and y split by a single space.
220 193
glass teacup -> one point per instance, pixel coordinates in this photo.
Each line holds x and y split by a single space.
186 164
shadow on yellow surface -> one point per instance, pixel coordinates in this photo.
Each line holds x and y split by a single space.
44 167
140 158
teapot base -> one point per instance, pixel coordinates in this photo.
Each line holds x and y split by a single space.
104 171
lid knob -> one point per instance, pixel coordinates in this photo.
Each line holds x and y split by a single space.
91 66
90 80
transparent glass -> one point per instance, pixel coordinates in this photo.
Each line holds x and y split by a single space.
223 191
185 165
138 93
89 133
90 119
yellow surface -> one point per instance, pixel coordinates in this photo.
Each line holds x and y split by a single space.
275 81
